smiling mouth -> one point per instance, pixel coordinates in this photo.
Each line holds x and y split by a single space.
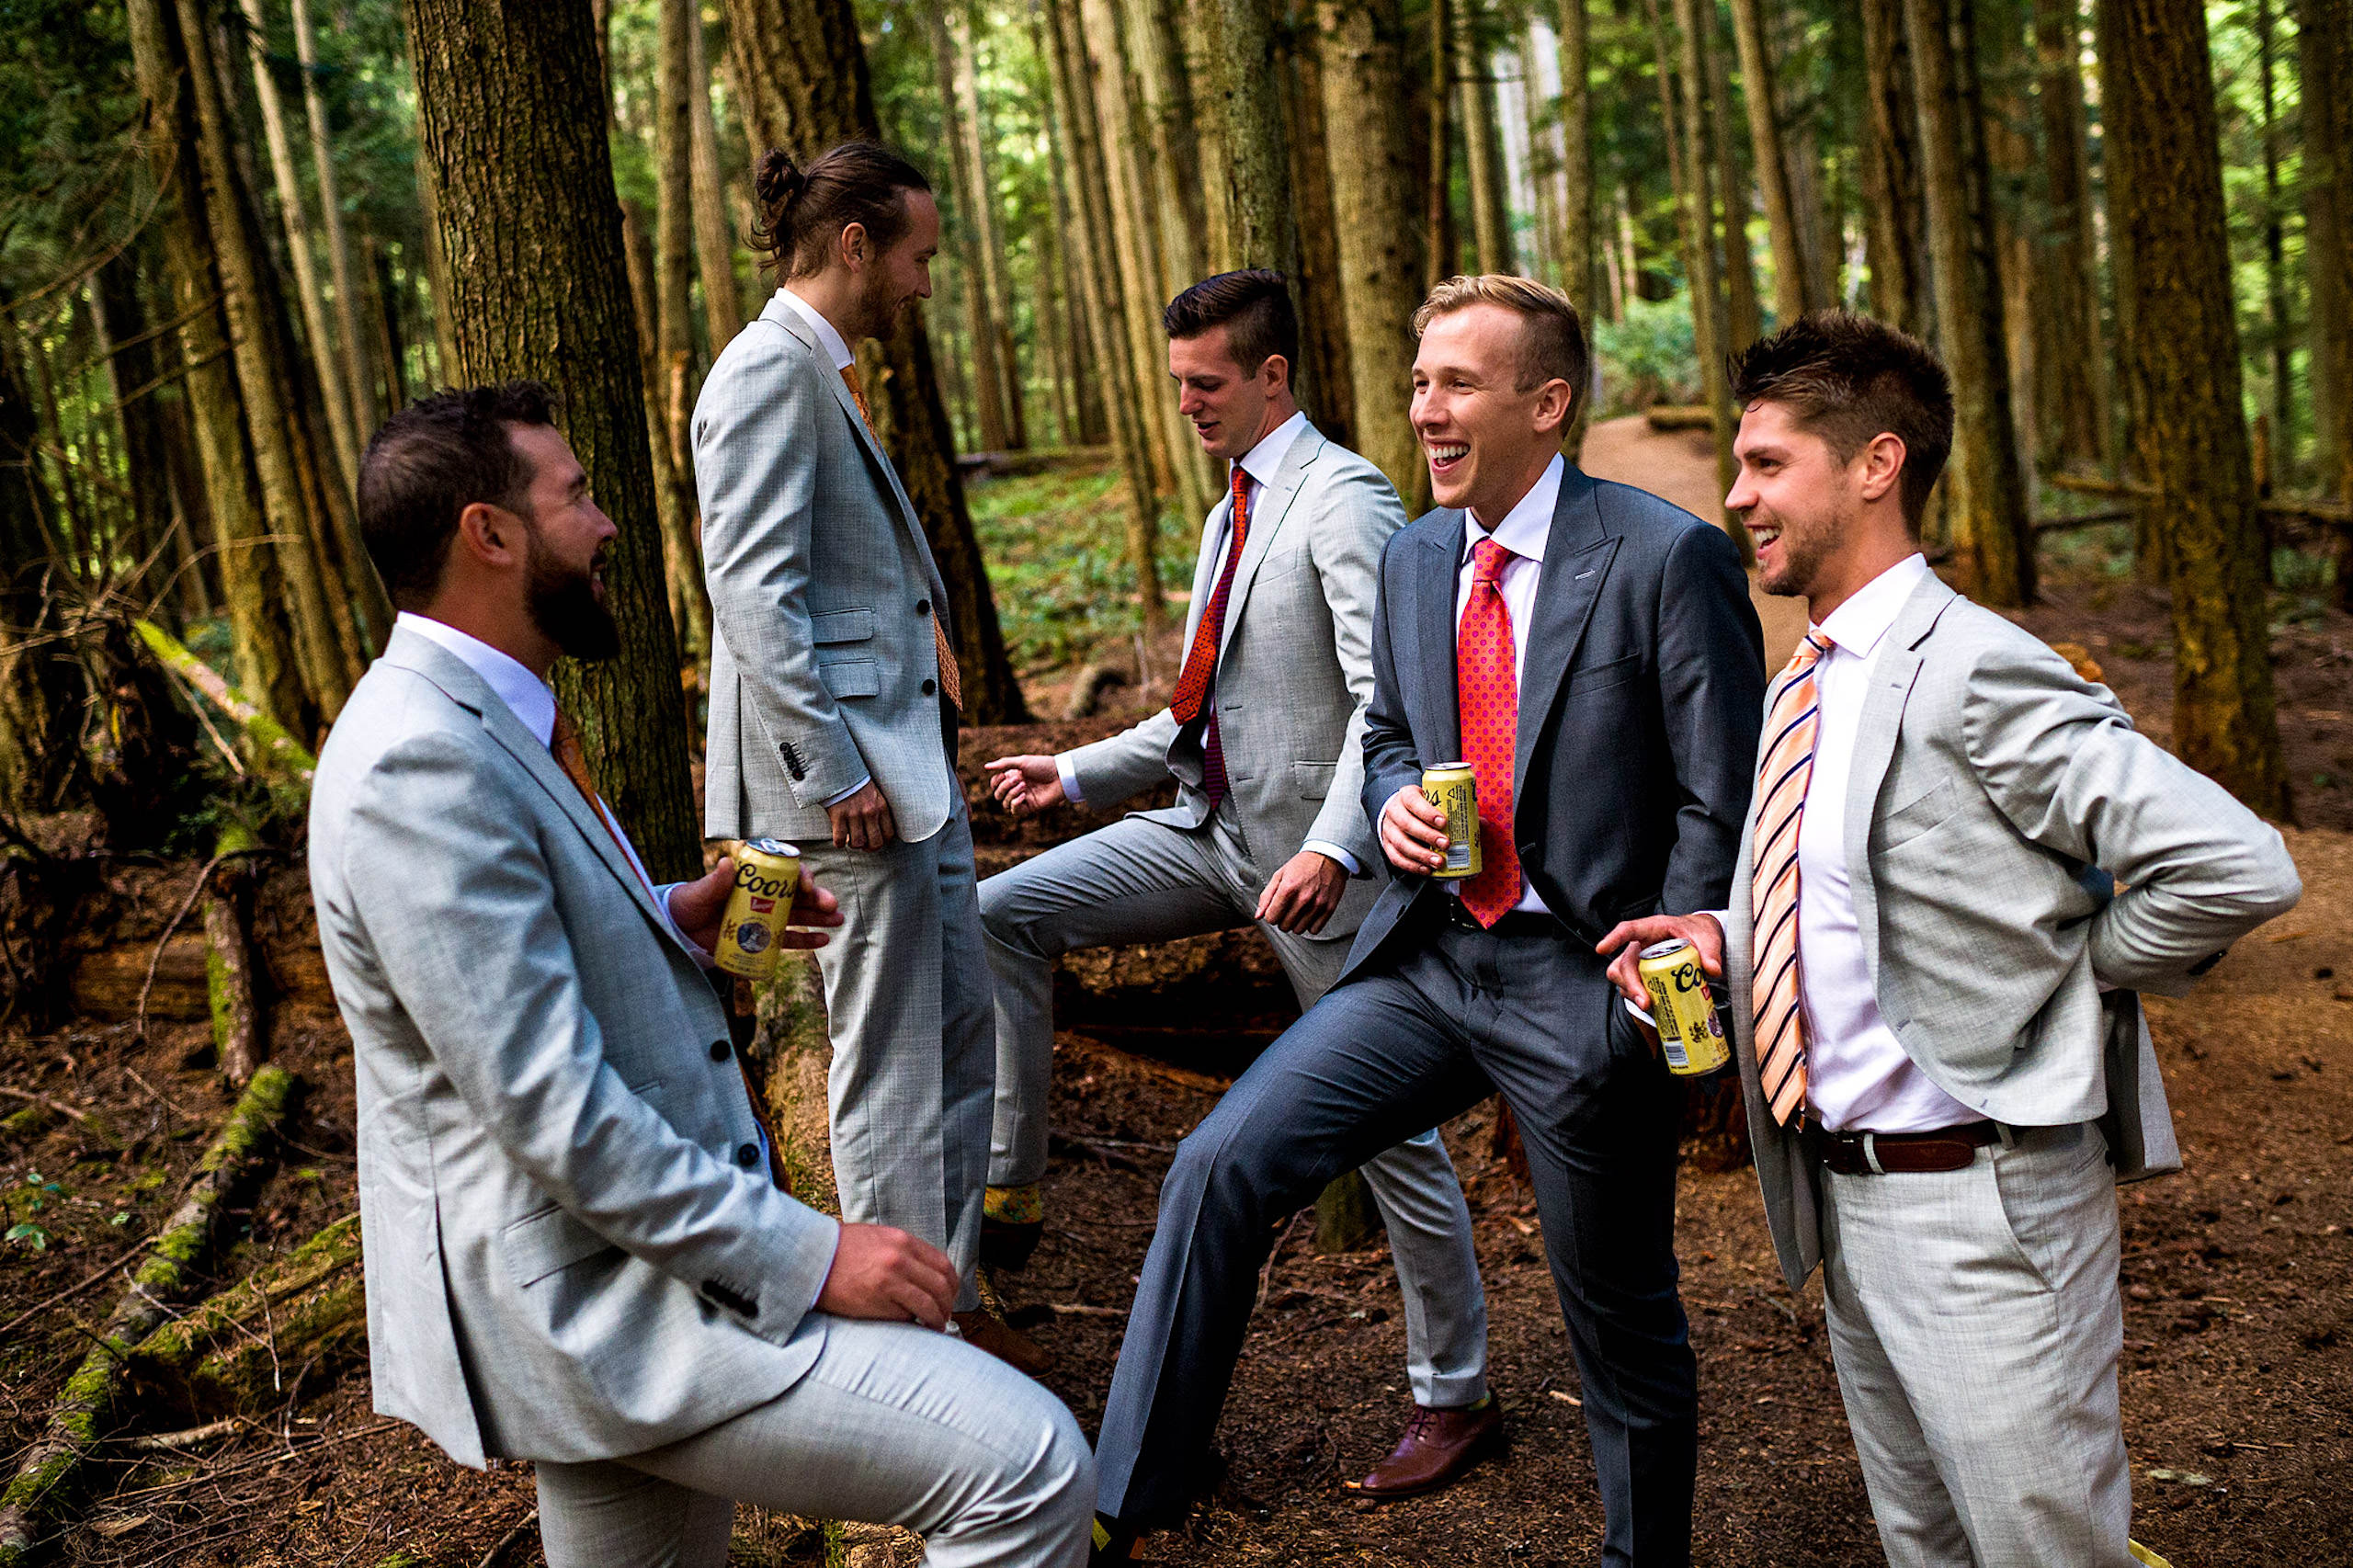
1445 455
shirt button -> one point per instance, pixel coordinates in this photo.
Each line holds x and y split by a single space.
931 687
747 1155
720 1050
923 607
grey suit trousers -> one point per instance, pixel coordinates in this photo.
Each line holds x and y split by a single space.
894 1424
914 1057
1141 881
1975 1323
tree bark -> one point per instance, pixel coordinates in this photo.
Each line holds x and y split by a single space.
2169 222
1795 291
678 374
982 184
2275 243
1244 83
803 70
1441 245
1326 389
2325 58
32 762
1685 119
1743 315
2077 386
511 117
1991 529
1895 243
723 297
1483 147
980 303
131 363
366 414
1578 245
1190 237
682 574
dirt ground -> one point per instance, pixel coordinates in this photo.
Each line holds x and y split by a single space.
2238 1274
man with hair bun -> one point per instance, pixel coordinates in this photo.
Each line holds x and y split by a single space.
1934 976
1592 652
835 693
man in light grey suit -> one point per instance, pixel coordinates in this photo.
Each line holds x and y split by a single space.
575 1252
833 694
1265 737
1933 976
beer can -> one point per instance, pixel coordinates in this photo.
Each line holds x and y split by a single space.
751 935
1451 789
1691 1031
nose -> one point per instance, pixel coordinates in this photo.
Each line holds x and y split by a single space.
1742 496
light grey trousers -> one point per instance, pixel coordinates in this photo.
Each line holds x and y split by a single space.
1140 881
894 1424
1975 1321
915 1047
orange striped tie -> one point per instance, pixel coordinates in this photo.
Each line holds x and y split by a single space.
1781 784
951 676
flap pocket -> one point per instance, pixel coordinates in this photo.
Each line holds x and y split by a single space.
1612 672
1314 778
842 626
852 677
1909 822
539 1245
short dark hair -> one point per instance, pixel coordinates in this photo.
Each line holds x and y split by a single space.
1848 378
803 212
1255 308
432 460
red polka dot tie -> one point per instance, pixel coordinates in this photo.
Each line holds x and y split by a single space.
1487 680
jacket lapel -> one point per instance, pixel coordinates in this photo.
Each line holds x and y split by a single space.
1894 670
1205 568
1577 552
1439 718
1266 521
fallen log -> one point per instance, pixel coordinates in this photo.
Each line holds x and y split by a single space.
238 1352
281 761
47 1481
238 1042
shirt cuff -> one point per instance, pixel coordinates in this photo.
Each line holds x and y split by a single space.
1069 771
695 949
1348 862
853 789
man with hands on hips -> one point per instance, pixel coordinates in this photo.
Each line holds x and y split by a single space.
577 1254
1264 735
1934 975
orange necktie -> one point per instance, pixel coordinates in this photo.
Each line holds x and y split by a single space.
564 744
951 677
1773 976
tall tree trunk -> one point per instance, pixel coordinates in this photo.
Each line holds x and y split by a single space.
1686 119
268 420
384 316
982 183
1986 503
511 117
1578 243
2169 222
1892 238
1164 95
677 376
1103 289
2274 245
33 762
360 387
806 89
132 365
1089 422
324 349
1243 83
682 574
1327 389
2324 58
2075 386
1441 245
723 297
1744 313
252 574
1794 292
1381 269
1483 148
980 302
443 369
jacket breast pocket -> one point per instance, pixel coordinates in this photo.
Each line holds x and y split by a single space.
539 1245
1915 818
852 677
842 626
1603 675
1314 778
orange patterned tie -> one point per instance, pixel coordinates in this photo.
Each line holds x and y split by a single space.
1487 683
1781 785
951 677
1200 659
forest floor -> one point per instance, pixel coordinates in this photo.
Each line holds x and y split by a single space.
2238 1274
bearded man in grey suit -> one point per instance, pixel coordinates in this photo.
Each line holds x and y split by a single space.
577 1254
1265 738
1934 978
833 697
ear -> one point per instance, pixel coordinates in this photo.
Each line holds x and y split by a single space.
853 247
1275 373
1555 400
490 535
1882 465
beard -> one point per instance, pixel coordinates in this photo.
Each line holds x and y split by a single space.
1802 551
563 605
880 303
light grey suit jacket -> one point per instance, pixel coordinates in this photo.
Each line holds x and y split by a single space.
1294 671
823 663
573 1249
1996 798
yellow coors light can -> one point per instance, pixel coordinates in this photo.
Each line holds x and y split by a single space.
1689 1032
751 935
1453 790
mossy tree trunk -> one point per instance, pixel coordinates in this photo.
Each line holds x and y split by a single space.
1894 246
993 425
977 180
2325 62
1795 291
2076 388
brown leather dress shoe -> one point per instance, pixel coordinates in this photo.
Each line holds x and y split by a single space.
1008 1344
1438 1448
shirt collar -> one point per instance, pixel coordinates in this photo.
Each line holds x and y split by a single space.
828 339
525 694
1526 526
1265 461
1857 625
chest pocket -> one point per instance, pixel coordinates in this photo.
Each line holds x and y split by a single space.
1912 820
1603 675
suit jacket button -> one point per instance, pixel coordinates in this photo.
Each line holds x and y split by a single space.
929 687
720 1050
923 607
747 1155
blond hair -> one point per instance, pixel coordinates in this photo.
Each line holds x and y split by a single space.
1551 341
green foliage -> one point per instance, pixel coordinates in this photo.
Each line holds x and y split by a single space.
1648 357
1057 556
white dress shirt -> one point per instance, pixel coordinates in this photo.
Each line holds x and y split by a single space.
528 697
1858 1077
1258 465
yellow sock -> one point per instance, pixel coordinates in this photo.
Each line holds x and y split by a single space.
1024 1205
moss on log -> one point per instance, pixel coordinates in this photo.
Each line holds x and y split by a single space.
234 1354
36 1501
238 1040
281 761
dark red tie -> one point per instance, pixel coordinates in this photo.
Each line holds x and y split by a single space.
1200 660
1487 685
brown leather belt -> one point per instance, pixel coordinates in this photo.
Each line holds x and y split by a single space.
1892 1154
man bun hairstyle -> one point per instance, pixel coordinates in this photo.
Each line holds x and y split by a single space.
805 211
432 460
1255 308
1551 340
1849 378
